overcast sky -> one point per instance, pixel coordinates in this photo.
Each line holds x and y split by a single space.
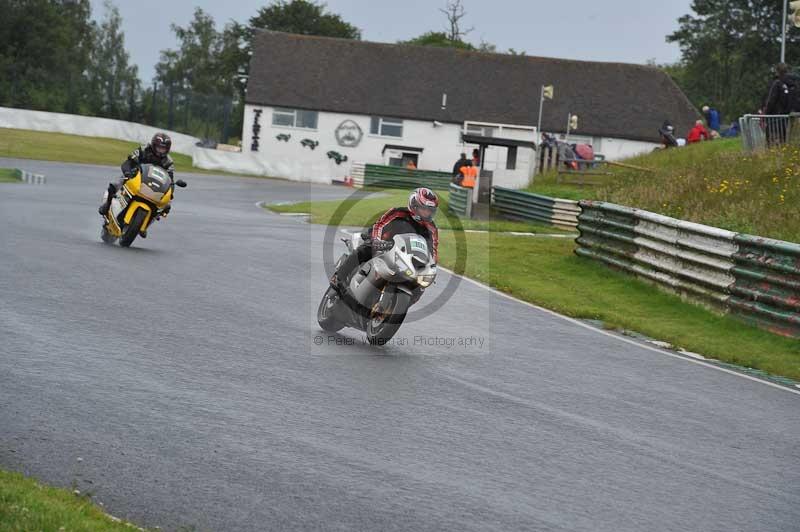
630 31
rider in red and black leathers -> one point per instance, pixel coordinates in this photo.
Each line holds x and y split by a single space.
417 218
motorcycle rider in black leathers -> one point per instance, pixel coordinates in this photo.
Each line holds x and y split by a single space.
157 153
417 218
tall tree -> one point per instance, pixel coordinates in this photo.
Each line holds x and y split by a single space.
201 79
728 50
114 82
454 36
304 17
443 40
44 53
455 12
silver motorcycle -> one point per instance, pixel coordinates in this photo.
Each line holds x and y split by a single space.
382 290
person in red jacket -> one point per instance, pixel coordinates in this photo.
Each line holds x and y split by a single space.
698 133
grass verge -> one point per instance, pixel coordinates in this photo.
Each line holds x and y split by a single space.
44 146
362 211
9 175
545 271
713 183
27 505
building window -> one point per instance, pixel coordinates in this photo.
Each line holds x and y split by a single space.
294 118
511 158
386 127
481 131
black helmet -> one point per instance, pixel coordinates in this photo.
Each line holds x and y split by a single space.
161 144
423 204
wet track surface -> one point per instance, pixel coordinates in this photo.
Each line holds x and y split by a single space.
190 377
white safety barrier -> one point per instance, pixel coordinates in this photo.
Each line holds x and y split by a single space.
33 179
258 164
89 126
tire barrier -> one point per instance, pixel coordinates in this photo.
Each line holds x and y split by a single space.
526 206
753 278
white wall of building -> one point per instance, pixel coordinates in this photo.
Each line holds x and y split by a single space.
616 149
613 149
441 145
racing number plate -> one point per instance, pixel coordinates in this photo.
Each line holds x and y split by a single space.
420 244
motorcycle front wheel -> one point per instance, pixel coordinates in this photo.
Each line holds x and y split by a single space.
132 229
383 324
326 313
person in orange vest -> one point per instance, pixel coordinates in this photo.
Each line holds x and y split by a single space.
468 175
411 165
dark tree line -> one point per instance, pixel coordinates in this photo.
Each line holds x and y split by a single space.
54 57
728 52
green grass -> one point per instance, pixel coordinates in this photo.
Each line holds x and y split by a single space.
9 175
713 183
545 271
27 505
44 146
361 212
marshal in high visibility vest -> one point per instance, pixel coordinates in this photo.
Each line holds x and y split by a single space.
468 175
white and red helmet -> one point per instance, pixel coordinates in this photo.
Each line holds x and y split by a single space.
423 204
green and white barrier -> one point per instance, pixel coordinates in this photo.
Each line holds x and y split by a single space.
757 279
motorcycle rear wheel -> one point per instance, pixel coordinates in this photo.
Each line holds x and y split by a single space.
326 312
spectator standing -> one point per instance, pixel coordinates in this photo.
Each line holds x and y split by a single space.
783 97
698 133
459 164
476 158
712 118
469 174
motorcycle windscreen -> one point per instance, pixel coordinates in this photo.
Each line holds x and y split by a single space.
155 183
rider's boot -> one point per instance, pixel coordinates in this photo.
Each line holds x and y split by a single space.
103 210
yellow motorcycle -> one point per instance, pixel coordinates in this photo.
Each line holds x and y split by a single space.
140 201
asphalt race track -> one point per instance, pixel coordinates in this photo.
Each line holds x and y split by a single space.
189 376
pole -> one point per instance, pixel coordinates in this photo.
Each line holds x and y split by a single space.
539 123
783 33
569 119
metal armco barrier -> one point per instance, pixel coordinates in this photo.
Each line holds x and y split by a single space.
767 288
519 205
33 179
460 202
754 278
375 175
